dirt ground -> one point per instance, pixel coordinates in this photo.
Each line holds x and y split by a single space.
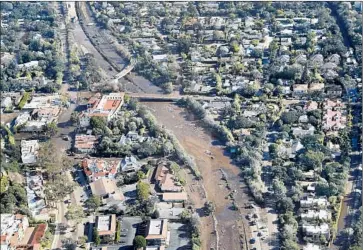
199 144
5 118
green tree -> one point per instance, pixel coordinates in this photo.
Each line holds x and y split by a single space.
139 242
96 237
118 231
93 203
75 212
51 128
98 122
143 190
4 183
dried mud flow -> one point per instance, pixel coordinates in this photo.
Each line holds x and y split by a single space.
213 163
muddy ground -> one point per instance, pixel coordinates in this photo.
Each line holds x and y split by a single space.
231 224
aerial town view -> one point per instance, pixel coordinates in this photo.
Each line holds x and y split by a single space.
181 125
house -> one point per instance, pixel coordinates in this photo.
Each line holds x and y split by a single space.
165 180
333 119
106 225
334 148
131 136
300 132
13 228
33 126
85 143
156 232
317 60
43 101
175 197
17 234
96 168
334 58
315 231
29 65
160 58
130 164
47 114
36 196
106 106
311 105
309 175
303 119
334 90
310 215
316 87
311 246
103 187
285 41
29 151
300 89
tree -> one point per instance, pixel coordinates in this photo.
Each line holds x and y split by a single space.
75 212
52 161
96 237
74 117
98 122
290 117
139 242
209 207
168 148
58 187
143 190
93 203
4 183
51 128
312 160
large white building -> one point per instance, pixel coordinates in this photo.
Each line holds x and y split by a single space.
106 106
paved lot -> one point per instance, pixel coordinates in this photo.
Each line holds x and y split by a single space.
179 237
128 228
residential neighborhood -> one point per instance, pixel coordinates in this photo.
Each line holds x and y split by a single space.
181 125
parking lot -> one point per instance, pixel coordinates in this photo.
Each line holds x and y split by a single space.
179 237
128 231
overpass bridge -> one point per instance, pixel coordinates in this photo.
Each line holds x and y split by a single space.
144 97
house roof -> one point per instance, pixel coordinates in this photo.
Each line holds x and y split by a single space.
175 196
157 229
103 186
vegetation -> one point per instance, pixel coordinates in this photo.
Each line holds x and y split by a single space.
93 203
143 190
96 237
75 213
24 100
139 242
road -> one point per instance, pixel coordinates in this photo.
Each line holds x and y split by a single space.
59 219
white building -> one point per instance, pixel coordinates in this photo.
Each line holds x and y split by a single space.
29 151
130 164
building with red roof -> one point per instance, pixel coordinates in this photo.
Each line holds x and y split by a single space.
97 168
